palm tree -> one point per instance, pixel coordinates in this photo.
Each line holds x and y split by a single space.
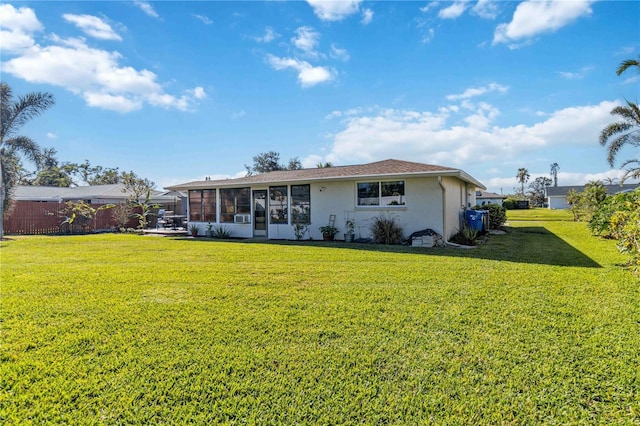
554 173
13 115
625 132
523 177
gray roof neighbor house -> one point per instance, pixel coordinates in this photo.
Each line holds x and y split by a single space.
97 194
557 195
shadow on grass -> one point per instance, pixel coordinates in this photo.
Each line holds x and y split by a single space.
534 244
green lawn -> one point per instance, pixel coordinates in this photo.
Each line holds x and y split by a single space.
538 326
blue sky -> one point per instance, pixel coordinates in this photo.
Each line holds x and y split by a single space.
177 91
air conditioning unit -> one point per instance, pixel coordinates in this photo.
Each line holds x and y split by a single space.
242 218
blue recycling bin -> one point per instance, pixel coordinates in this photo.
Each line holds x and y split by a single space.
474 219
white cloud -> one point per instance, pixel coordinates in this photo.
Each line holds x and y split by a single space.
204 19
576 75
487 9
454 11
146 8
429 6
338 53
427 36
238 114
199 93
16 28
308 75
533 17
268 37
306 40
367 16
329 10
431 138
51 135
93 26
96 75
478 91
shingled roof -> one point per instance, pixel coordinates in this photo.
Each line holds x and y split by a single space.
385 168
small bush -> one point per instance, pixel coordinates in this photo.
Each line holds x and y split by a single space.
221 231
386 230
497 215
465 236
515 204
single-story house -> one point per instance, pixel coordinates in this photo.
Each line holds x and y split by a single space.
485 197
557 195
269 205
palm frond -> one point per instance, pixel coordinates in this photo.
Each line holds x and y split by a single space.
15 115
617 143
630 113
613 129
624 65
25 146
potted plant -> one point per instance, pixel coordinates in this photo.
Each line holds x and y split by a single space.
350 226
194 230
328 232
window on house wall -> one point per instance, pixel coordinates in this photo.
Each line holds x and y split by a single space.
368 193
209 205
389 193
195 206
301 204
392 193
202 205
234 201
278 205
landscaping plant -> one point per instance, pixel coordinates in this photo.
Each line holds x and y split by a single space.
385 229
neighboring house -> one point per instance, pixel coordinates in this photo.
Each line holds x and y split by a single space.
97 194
38 209
484 198
268 205
557 195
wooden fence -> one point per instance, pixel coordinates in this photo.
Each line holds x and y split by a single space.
46 217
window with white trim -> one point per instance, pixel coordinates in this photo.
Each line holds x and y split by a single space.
382 193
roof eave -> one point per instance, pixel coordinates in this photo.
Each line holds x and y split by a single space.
238 182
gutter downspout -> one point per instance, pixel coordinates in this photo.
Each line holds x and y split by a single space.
444 211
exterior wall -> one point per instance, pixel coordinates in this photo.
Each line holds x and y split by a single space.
456 197
423 209
559 202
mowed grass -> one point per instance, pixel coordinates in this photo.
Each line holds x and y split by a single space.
538 326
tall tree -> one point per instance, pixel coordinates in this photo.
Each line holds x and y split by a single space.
523 177
625 132
13 115
270 162
555 168
51 173
324 165
538 190
96 175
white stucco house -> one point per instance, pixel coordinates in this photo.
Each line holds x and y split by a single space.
421 196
